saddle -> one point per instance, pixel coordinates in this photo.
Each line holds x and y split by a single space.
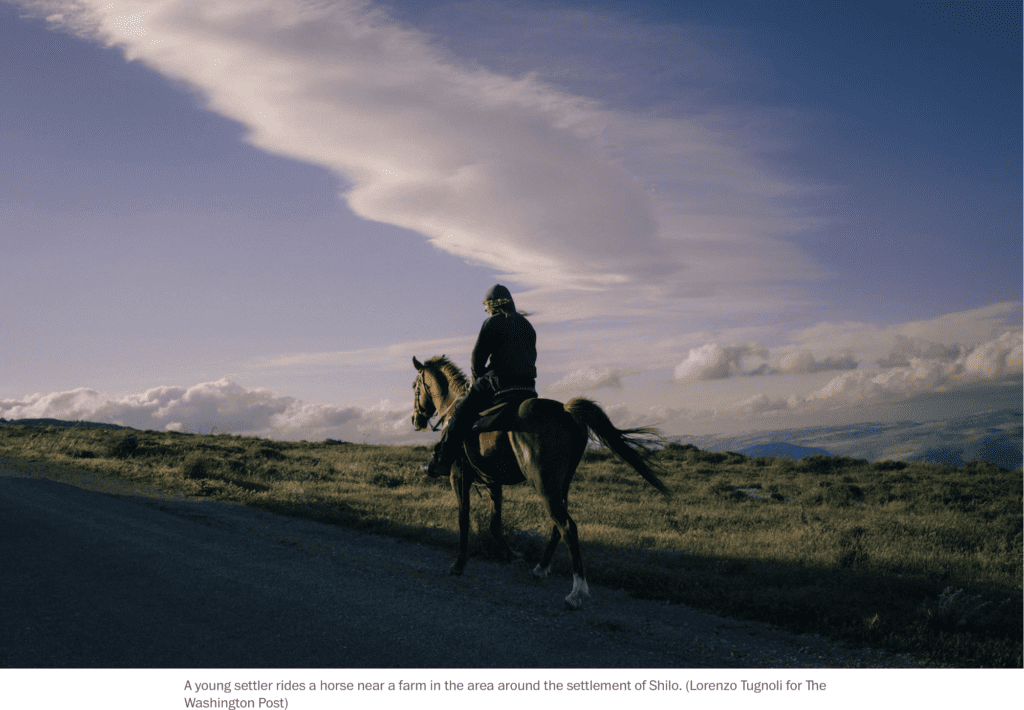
500 416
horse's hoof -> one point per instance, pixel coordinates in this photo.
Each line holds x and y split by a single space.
540 572
573 604
580 589
456 569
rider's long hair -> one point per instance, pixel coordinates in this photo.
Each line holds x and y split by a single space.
504 306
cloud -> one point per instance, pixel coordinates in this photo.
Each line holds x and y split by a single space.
994 361
716 362
763 404
969 327
940 348
946 336
803 362
224 405
591 378
393 356
553 189
948 369
907 349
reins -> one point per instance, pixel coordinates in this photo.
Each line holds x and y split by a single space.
441 416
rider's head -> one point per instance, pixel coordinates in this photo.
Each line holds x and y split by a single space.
498 299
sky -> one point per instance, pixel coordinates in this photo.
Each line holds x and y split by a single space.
248 217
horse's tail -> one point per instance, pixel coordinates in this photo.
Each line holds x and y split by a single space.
631 445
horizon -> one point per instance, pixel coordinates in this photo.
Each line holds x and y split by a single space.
725 217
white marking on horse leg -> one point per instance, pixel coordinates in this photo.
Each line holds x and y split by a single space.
541 572
579 590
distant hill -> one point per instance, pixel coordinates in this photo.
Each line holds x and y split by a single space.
995 436
59 422
782 450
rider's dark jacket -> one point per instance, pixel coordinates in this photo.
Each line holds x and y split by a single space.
511 344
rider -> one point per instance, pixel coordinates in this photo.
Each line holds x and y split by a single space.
510 342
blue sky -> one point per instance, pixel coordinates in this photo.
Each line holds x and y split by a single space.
723 216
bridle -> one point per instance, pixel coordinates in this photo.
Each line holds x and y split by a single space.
441 416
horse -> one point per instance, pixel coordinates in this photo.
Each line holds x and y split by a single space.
543 444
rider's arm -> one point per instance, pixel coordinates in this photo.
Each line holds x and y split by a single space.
482 350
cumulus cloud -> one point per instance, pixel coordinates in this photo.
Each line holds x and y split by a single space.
993 361
551 188
906 349
948 368
946 337
591 378
763 404
716 362
224 405
803 362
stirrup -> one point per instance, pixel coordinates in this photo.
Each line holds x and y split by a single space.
435 469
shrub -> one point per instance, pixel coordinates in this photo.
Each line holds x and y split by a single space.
383 480
954 609
841 495
829 464
270 453
195 466
125 447
889 465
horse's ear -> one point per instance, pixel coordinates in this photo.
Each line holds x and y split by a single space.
416 363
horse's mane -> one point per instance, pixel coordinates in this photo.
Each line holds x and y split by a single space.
456 379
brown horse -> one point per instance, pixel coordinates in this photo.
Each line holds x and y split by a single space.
543 445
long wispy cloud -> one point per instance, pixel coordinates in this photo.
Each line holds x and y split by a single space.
394 356
552 189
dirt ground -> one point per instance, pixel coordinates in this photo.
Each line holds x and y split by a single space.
98 573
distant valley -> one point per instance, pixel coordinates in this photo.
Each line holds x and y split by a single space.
994 436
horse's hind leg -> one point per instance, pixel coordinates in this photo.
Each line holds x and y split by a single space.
579 580
565 528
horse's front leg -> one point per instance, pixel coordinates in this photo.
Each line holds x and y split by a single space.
506 553
461 484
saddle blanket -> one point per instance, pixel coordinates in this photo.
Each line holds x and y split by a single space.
498 417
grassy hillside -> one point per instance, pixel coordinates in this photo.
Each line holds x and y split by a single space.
913 558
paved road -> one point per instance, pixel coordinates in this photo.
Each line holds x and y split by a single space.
100 574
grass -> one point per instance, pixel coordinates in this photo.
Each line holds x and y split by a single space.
922 559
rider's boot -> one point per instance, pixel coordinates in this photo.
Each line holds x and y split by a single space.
444 457
447 450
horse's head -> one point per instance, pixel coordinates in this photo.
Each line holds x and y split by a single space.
423 406
437 388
